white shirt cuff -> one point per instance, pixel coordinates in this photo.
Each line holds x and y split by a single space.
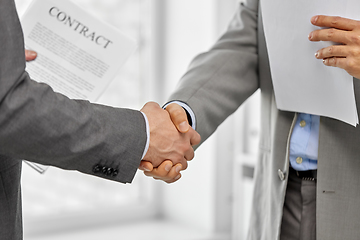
147 134
188 109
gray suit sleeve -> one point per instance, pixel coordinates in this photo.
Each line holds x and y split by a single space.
42 126
220 80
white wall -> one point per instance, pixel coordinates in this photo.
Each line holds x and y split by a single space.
203 197
190 29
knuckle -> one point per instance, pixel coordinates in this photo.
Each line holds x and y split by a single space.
334 61
330 33
185 147
150 103
177 113
355 39
355 52
335 21
351 63
172 106
178 158
196 140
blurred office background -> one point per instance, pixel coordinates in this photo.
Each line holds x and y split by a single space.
213 198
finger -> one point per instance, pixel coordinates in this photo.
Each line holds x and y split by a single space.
195 138
189 154
331 34
173 173
174 179
30 55
333 51
184 163
336 62
178 117
334 22
171 176
161 171
146 166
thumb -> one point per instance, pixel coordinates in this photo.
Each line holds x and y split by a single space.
178 117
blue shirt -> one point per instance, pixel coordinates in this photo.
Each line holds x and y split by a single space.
304 142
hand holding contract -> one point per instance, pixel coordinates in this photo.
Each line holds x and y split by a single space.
301 83
339 30
79 55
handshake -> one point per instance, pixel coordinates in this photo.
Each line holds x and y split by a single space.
171 141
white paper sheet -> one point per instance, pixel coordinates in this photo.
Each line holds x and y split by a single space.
78 55
301 82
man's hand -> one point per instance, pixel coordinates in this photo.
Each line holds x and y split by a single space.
166 143
30 55
168 172
340 30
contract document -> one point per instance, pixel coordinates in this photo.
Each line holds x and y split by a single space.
78 54
301 82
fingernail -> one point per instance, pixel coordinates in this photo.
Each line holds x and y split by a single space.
31 53
168 167
314 19
178 168
317 54
310 36
177 177
184 126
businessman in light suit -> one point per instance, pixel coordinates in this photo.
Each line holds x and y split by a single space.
308 172
45 127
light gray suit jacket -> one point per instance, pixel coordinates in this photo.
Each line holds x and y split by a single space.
220 80
45 127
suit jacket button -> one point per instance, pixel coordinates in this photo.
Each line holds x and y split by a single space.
115 172
109 171
96 168
104 170
281 175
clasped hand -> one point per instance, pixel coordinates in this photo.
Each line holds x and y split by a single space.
171 141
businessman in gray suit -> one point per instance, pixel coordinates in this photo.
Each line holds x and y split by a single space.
45 127
307 176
